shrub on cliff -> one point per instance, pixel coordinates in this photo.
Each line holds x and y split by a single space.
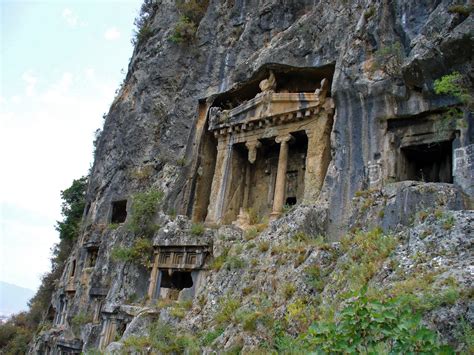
143 22
192 12
372 326
144 206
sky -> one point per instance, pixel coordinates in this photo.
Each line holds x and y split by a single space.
61 63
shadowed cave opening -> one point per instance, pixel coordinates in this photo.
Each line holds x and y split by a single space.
428 162
119 211
288 78
178 280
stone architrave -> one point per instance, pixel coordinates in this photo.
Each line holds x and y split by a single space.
280 184
219 181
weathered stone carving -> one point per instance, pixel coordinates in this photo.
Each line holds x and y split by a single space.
265 123
268 84
176 271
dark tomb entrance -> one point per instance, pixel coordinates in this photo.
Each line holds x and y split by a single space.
428 162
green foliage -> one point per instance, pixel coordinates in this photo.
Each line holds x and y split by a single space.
113 226
179 309
79 320
263 246
452 84
192 11
140 252
72 209
464 10
208 337
389 59
254 217
369 12
162 338
16 333
184 30
448 223
366 251
315 278
249 320
288 290
144 208
251 233
197 229
234 262
143 22
370 326
181 161
219 261
227 310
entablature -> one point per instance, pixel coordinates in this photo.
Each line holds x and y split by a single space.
271 109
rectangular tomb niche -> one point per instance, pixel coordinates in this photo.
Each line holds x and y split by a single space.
270 146
427 162
421 149
119 211
113 327
177 271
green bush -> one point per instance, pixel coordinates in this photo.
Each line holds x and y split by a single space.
315 278
143 22
370 326
389 59
192 11
461 9
288 290
144 207
208 337
184 30
234 262
163 338
79 320
452 84
219 261
197 229
140 252
227 310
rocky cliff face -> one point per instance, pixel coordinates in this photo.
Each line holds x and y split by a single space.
381 59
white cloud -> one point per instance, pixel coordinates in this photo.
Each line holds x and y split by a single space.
89 73
16 99
30 81
71 19
112 34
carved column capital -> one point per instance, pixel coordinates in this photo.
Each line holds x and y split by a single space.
284 139
222 144
252 147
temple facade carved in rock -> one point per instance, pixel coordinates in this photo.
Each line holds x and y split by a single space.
272 150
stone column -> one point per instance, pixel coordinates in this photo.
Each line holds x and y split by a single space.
252 147
153 278
317 157
219 181
280 183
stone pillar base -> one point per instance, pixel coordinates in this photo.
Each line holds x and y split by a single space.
275 215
